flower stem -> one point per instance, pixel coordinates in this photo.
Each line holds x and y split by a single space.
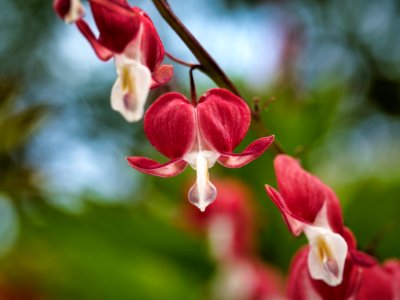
193 94
209 66
178 60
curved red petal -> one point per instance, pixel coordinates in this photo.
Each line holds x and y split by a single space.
295 225
305 194
62 7
299 283
162 75
393 266
223 118
254 150
362 259
170 126
116 29
352 276
151 167
377 283
102 52
152 49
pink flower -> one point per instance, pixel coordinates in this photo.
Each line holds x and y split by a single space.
359 282
200 135
308 205
127 34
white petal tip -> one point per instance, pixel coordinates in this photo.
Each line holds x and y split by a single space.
202 199
76 12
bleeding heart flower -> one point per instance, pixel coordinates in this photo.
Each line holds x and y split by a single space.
301 286
309 206
359 282
127 34
200 135
69 10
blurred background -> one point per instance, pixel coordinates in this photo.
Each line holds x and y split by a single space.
76 222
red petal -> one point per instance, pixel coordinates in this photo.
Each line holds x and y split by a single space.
299 283
393 266
223 118
62 7
169 124
116 29
102 52
162 75
151 167
305 194
295 225
152 49
254 150
377 283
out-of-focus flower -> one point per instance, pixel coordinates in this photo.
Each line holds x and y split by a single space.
359 283
229 224
69 10
200 135
309 206
247 279
127 34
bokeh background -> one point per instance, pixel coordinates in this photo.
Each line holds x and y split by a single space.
76 222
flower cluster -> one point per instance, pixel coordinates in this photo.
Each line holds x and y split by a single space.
199 133
129 36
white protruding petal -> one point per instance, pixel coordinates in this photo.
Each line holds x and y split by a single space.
130 90
327 256
203 192
76 11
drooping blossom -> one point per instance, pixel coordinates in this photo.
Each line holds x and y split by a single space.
229 225
127 34
199 135
359 282
309 206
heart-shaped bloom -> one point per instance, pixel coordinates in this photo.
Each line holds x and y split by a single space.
199 135
127 34
309 206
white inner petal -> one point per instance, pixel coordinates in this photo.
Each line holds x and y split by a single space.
203 192
76 11
327 256
130 90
